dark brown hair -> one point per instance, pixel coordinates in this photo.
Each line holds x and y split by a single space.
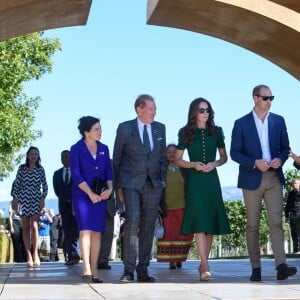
86 123
188 132
38 162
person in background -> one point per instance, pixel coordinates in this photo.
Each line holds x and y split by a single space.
107 237
296 159
260 145
29 192
53 235
44 235
116 235
62 184
204 214
139 161
292 214
174 247
61 239
89 159
16 231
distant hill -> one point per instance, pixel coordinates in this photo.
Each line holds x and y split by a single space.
50 203
232 193
229 193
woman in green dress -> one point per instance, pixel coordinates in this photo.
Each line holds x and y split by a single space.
205 213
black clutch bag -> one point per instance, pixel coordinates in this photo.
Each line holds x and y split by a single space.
99 186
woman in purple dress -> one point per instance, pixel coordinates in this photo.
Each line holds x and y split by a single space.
89 159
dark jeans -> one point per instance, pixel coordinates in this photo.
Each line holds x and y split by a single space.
106 240
295 231
18 244
71 235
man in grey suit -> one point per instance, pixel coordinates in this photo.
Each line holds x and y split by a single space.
139 160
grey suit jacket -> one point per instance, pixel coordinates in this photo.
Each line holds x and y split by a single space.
131 163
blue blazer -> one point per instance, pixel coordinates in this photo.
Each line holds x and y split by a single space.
245 148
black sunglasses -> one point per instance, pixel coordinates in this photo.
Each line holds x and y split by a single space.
266 98
203 110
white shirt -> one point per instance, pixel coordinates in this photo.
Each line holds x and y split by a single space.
263 134
141 131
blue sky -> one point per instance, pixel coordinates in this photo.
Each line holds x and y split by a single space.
104 65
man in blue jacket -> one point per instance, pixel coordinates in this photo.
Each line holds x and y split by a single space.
260 145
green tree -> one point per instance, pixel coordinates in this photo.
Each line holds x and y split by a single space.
235 243
21 59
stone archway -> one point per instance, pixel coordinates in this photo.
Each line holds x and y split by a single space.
20 17
270 29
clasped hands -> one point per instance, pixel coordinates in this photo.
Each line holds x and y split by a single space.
95 198
206 168
264 165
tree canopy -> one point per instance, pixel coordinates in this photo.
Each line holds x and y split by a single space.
21 59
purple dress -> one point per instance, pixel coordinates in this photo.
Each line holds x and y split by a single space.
84 167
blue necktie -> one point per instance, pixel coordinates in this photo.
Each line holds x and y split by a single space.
146 140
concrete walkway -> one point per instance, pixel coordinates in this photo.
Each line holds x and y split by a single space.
230 280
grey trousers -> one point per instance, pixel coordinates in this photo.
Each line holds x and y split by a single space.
140 214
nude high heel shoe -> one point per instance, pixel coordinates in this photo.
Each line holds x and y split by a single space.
29 264
204 276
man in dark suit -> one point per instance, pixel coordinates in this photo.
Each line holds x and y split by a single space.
139 160
62 184
113 205
260 145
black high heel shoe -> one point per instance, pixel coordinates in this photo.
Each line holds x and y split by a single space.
97 280
87 278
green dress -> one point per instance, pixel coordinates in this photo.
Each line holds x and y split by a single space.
204 211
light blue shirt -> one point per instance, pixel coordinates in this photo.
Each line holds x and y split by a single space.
263 134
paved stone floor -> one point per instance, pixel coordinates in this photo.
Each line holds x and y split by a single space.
230 280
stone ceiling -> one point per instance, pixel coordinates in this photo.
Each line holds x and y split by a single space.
270 29
20 17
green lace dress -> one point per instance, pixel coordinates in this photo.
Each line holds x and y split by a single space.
204 211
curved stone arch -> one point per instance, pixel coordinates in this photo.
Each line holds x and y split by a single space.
269 29
20 17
